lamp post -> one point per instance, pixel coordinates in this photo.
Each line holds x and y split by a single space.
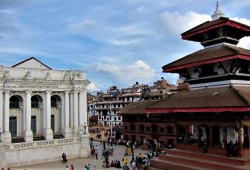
0 135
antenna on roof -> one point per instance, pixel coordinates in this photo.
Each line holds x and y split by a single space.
217 13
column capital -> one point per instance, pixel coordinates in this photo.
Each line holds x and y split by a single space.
28 91
67 91
48 91
6 91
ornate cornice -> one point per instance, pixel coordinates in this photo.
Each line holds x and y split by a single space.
35 82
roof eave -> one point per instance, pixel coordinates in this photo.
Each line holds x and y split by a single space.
188 34
179 67
197 110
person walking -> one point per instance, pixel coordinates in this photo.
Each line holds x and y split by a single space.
133 164
125 160
96 151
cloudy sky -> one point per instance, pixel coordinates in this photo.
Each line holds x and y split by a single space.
117 42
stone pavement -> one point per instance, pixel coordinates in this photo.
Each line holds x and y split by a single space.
79 163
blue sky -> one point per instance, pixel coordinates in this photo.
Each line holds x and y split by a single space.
117 42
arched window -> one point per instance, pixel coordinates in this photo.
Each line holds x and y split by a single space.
15 102
55 101
35 101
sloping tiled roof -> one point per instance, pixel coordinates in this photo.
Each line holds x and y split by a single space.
207 55
220 97
215 23
136 108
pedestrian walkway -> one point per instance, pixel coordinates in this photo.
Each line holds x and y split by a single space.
79 163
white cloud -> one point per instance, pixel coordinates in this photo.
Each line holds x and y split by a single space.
92 87
179 23
244 42
139 71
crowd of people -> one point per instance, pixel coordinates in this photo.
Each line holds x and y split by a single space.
140 161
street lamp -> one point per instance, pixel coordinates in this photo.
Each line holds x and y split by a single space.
0 134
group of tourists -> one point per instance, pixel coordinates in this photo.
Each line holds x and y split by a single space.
141 162
115 163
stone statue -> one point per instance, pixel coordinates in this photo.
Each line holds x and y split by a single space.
84 128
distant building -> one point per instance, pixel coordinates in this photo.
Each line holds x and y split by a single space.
109 103
42 113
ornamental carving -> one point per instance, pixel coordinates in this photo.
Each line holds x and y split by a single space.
48 77
6 74
27 75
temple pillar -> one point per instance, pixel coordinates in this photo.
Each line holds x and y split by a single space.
210 138
83 116
28 134
67 131
48 131
6 131
75 113
81 106
240 136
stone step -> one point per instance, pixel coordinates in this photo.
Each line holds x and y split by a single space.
159 164
202 163
211 157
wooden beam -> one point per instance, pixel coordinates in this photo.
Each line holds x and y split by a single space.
232 66
224 69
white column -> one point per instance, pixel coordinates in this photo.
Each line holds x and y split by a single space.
7 135
75 112
85 150
28 133
1 110
80 104
66 115
48 130
61 116
85 108
71 110
43 116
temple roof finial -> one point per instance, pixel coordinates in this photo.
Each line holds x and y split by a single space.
217 13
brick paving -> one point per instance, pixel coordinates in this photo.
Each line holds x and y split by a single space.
79 163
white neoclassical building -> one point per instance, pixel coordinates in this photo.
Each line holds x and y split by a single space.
43 113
